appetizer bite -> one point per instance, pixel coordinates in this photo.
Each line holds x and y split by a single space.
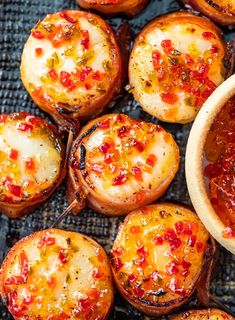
118 164
57 275
71 66
175 65
221 11
158 257
220 171
206 314
128 7
31 162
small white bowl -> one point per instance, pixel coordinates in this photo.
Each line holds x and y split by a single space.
194 162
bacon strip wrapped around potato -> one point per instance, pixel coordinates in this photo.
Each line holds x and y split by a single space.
158 257
57 275
71 66
31 162
111 7
118 164
220 11
176 63
204 314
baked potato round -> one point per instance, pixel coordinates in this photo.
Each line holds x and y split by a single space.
31 162
175 65
111 7
220 11
118 164
159 256
57 275
204 314
71 66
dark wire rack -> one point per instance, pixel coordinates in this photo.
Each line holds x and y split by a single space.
17 17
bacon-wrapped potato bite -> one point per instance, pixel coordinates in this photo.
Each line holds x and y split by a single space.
175 65
158 257
128 7
119 164
71 66
204 314
57 275
31 162
221 11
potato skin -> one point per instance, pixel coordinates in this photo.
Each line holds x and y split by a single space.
112 7
19 206
80 188
139 234
97 277
203 314
225 18
152 84
75 94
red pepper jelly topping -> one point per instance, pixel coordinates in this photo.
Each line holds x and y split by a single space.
220 172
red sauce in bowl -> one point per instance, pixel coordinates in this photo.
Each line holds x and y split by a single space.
220 171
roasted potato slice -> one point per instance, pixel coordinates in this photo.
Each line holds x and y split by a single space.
206 314
31 162
158 257
176 63
128 7
71 66
118 164
57 275
220 11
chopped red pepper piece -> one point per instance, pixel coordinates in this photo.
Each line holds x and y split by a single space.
25 127
14 189
46 241
132 277
64 14
207 35
135 229
29 164
38 35
66 81
173 268
104 147
63 256
120 178
38 52
116 263
156 56
183 227
167 46
151 160
169 98
96 75
158 240
3 118
105 124
53 74
14 154
192 240
138 292
137 173
137 144
85 39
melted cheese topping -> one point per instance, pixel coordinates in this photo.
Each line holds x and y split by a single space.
127 158
159 253
174 66
210 314
65 275
71 59
30 157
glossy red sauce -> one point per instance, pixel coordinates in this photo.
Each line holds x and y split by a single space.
220 152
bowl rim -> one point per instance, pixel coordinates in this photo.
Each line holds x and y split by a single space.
194 158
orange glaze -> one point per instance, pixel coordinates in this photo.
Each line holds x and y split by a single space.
220 152
172 78
30 157
77 66
57 275
126 162
158 256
